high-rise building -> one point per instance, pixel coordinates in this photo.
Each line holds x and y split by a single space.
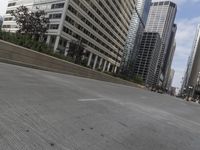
161 19
100 25
192 76
170 80
169 56
192 70
147 58
134 37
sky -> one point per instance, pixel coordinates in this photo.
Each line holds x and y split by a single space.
187 19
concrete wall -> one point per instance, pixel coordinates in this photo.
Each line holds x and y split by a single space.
18 55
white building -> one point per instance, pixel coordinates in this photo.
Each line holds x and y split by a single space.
101 25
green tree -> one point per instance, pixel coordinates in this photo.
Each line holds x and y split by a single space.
76 51
34 24
138 79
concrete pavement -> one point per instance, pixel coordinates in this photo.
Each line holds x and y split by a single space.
42 110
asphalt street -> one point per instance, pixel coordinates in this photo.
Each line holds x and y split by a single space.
42 110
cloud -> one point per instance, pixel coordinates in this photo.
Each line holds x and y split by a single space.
184 37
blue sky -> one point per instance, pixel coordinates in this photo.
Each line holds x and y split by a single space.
188 16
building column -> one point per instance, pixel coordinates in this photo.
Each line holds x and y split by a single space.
104 67
108 67
95 62
67 48
56 43
48 39
90 58
100 63
115 69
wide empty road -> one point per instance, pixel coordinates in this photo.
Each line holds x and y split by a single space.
48 111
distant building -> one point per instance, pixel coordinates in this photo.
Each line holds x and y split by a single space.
133 40
192 70
172 91
192 76
170 80
161 19
101 26
169 57
148 57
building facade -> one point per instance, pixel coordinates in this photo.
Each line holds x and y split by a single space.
193 71
147 58
161 19
134 37
169 57
101 26
190 76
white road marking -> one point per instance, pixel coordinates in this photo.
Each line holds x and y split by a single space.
92 99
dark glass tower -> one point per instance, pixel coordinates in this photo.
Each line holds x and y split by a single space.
134 37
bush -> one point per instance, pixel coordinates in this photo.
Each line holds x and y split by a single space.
138 80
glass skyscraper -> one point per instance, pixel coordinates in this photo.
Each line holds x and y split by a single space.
133 40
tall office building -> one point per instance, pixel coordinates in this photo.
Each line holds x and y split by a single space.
193 67
169 56
147 58
161 19
100 25
132 44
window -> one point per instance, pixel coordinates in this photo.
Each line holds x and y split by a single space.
55 16
11 4
8 19
9 11
58 5
6 26
53 26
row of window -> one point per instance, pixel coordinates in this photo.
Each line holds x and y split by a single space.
98 30
116 14
9 11
81 28
107 21
57 6
53 26
128 10
95 18
9 26
71 9
83 40
55 16
11 4
8 19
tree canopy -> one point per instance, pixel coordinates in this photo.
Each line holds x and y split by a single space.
34 23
